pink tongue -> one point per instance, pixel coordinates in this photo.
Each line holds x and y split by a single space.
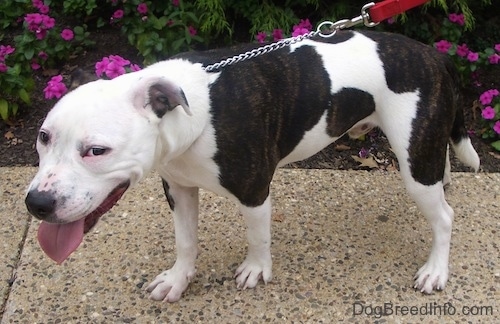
58 241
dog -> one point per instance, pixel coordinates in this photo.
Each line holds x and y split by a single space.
228 130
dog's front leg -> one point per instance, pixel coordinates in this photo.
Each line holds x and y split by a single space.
170 284
258 263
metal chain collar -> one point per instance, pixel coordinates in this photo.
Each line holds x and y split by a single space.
325 29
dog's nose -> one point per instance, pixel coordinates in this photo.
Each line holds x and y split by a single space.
40 204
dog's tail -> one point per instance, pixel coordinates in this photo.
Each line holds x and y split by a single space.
460 140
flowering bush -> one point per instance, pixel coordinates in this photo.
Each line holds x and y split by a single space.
157 29
490 101
55 88
15 83
466 60
109 67
113 66
303 27
41 45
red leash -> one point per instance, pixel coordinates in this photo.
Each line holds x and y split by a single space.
389 8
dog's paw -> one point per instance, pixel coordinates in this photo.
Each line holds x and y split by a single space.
431 277
169 285
251 270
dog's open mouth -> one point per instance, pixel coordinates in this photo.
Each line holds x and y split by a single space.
58 241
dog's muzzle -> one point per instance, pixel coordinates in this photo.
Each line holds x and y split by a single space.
41 204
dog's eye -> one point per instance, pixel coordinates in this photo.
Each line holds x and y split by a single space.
95 151
43 137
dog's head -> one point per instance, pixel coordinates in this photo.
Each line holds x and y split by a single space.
98 140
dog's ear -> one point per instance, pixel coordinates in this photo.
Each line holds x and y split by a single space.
80 77
165 96
162 95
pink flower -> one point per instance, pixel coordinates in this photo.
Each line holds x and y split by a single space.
494 59
442 46
486 97
170 22
192 31
55 88
496 127
462 50
119 60
142 8
48 22
303 27
67 34
43 55
118 14
100 66
34 21
277 34
175 3
488 113
134 67
299 31
261 37
497 47
43 9
5 50
305 23
37 3
458 19
112 66
3 68
35 65
472 57
114 70
39 24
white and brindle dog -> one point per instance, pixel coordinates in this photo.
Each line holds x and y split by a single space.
227 131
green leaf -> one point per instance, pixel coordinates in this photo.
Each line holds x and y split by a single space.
192 16
496 145
177 44
79 30
101 22
23 94
131 38
4 109
157 23
28 53
14 108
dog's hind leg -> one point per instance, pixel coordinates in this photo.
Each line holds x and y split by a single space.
422 161
431 202
170 284
258 262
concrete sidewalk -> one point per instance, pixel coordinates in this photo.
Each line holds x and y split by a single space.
345 244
